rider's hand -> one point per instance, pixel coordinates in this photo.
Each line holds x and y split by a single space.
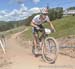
53 30
37 28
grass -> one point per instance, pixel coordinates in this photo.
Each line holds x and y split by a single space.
27 35
12 31
64 27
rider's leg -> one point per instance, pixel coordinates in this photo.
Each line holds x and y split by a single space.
35 39
42 35
35 36
35 43
42 31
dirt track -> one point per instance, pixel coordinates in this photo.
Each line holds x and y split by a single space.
20 58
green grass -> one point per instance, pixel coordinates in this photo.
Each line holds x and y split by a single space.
12 31
27 35
64 27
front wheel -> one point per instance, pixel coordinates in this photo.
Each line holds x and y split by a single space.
50 50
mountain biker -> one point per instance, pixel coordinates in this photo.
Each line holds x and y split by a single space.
36 24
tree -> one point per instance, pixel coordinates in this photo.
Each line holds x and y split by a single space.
71 8
55 13
29 19
59 11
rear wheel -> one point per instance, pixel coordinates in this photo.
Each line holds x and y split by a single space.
49 50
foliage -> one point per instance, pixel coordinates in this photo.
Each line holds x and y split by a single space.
55 13
71 8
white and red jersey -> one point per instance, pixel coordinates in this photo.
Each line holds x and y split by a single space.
38 21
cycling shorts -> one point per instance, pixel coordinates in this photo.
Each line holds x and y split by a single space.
35 30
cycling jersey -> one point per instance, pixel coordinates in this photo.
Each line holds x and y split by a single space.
38 21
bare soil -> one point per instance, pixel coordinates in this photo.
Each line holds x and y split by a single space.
19 56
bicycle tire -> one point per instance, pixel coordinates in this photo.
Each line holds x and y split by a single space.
44 57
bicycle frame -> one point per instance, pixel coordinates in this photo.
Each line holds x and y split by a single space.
44 37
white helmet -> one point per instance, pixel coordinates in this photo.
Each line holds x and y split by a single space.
44 11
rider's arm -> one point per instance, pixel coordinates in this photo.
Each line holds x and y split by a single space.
52 27
50 23
33 24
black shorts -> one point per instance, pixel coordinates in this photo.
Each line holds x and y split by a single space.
34 30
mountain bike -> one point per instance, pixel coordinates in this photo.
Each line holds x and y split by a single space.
48 47
3 43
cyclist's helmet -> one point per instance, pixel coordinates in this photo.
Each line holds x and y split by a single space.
44 11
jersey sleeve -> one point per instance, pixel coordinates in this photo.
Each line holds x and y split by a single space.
34 19
47 19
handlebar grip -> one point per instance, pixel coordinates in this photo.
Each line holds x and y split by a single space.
52 30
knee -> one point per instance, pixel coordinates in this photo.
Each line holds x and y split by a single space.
35 36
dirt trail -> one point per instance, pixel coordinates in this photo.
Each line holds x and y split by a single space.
20 59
